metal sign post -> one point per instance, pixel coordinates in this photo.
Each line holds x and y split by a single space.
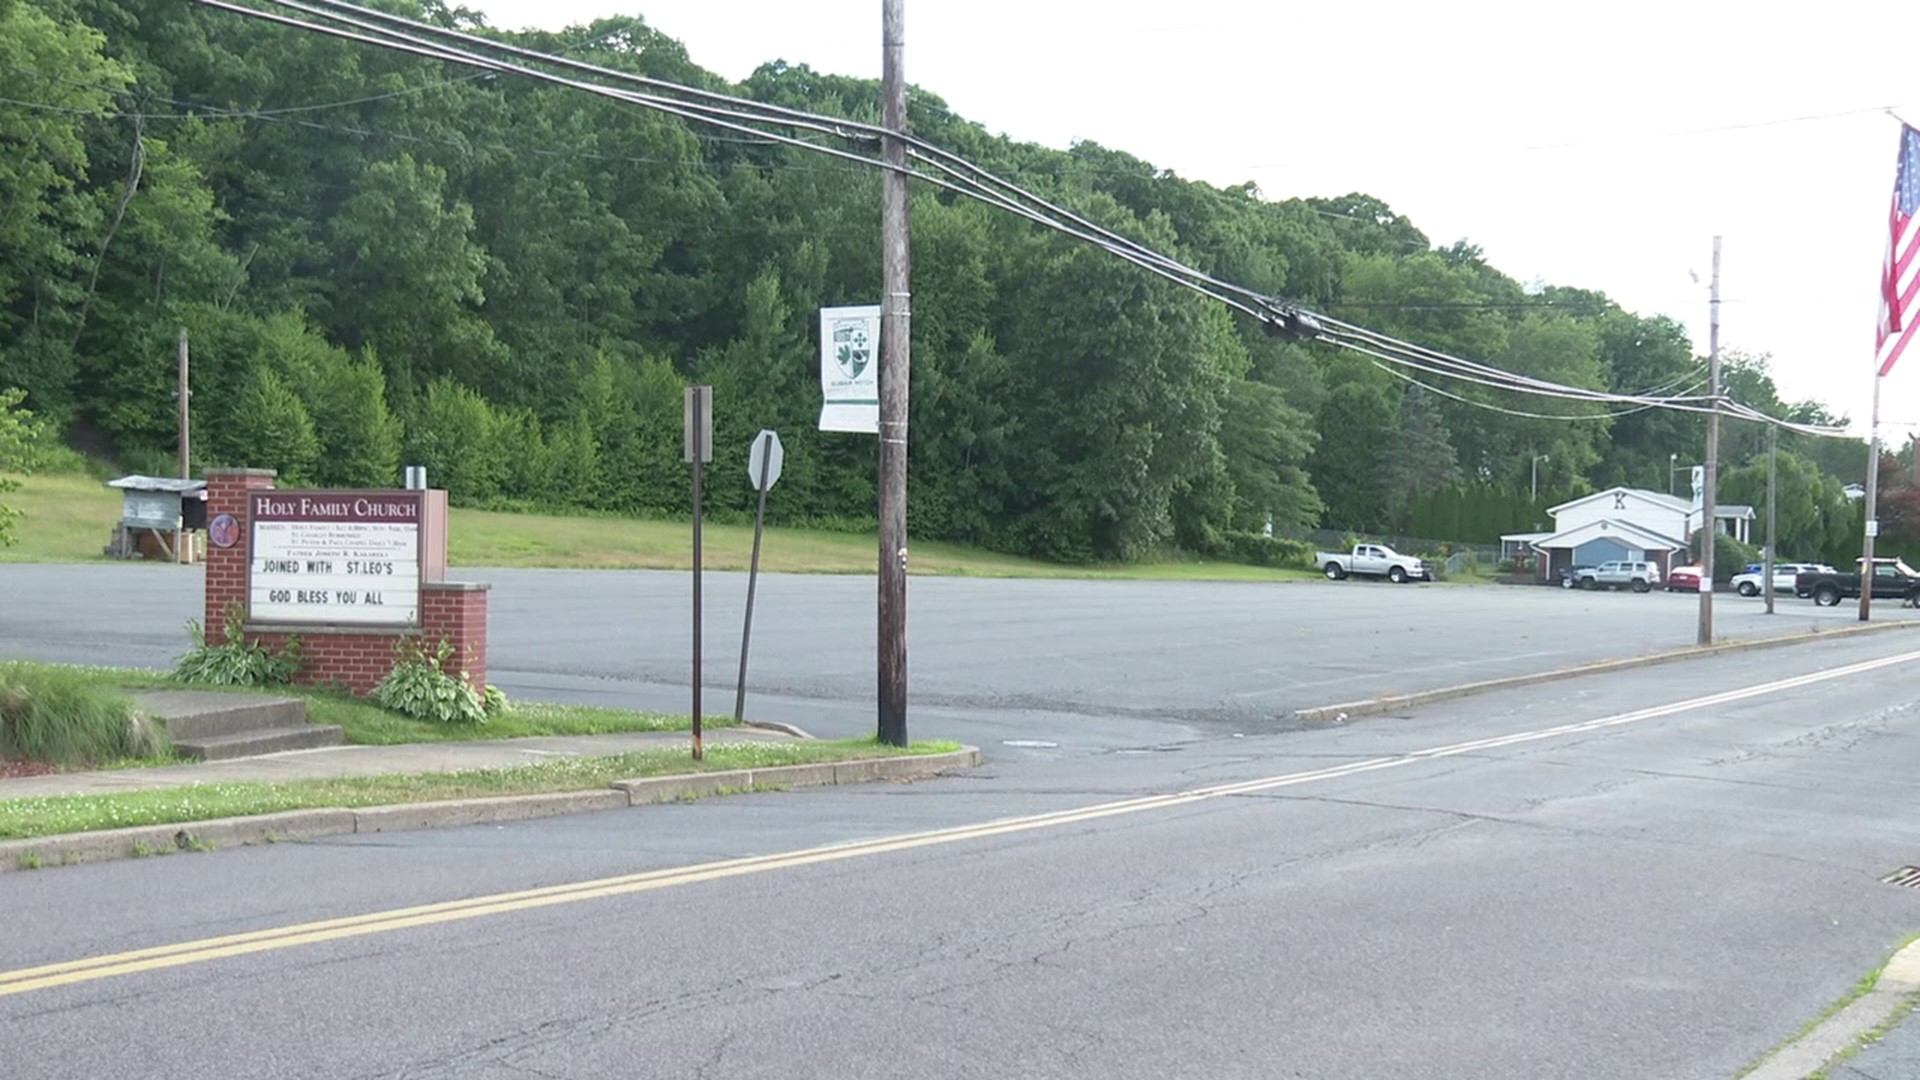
1773 431
763 468
699 451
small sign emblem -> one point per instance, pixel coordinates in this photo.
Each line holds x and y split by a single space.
223 530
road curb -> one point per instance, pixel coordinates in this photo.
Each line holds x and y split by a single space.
775 725
659 789
140 841
1374 706
1834 1037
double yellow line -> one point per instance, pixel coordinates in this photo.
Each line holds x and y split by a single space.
49 976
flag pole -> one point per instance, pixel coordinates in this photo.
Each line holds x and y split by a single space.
1873 491
1897 325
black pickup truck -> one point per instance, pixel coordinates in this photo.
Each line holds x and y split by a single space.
1893 579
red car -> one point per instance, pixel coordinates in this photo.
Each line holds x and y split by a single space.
1683 579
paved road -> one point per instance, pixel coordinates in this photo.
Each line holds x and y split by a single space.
1097 664
1474 890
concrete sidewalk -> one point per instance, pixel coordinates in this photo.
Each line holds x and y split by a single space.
1896 1056
342 761
1893 1057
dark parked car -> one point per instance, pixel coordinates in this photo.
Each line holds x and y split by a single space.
1570 575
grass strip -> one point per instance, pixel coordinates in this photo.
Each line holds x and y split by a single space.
365 722
28 818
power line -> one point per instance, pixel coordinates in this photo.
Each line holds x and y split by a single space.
207 112
730 119
919 149
1491 407
988 188
960 176
1676 402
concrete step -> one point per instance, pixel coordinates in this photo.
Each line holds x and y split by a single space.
261 741
197 715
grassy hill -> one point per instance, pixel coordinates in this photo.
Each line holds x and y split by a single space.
68 518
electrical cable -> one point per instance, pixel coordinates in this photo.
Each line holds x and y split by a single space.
926 151
407 43
1497 408
1677 403
962 178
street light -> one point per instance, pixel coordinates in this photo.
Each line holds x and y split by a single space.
1673 467
1537 459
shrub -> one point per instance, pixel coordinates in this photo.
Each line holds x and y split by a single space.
1255 549
64 717
1730 556
238 662
269 426
420 687
454 434
492 701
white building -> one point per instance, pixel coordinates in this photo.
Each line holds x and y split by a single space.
1625 523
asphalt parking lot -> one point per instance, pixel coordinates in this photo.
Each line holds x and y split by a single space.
1187 654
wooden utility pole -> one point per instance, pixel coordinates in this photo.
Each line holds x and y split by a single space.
895 327
1708 509
180 552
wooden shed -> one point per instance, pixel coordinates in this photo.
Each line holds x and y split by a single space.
158 518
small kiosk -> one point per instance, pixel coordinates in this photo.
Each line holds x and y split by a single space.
158 518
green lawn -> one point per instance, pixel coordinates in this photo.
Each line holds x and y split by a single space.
367 723
26 818
65 519
69 518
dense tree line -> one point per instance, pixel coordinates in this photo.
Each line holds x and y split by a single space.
383 260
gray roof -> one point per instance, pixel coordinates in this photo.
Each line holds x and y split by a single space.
1733 510
1664 498
157 483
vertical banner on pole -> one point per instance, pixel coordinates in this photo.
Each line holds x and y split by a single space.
849 372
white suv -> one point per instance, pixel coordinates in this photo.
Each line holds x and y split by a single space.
1638 576
1784 573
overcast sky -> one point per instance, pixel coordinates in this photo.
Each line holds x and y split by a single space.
1599 146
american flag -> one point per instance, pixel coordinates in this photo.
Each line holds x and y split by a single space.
1900 278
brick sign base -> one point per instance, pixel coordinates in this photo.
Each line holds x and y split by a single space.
356 658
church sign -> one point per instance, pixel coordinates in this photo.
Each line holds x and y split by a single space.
335 558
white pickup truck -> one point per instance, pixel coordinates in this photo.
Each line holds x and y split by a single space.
1372 560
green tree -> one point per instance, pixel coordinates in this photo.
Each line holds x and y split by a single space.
409 270
1418 458
454 437
1356 420
1267 444
1118 379
1811 511
46 212
268 427
20 436
360 438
